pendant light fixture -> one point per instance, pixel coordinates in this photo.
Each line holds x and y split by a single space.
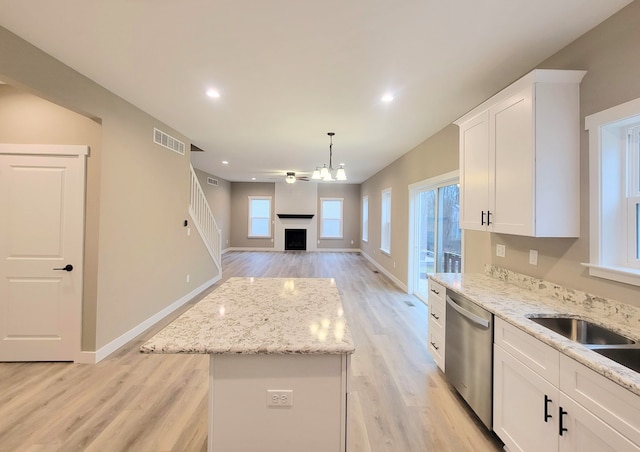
329 174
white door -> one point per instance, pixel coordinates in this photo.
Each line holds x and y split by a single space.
42 192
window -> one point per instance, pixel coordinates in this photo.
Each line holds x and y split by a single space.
259 216
614 180
331 218
365 218
385 226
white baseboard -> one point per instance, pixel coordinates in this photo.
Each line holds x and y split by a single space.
316 250
102 353
395 280
242 248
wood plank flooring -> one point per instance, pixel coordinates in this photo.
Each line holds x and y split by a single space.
399 402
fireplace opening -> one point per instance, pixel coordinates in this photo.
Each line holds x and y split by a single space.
295 239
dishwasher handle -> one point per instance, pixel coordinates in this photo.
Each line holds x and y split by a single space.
469 315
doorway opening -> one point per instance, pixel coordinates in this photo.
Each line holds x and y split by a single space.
435 240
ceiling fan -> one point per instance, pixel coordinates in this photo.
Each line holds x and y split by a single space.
291 178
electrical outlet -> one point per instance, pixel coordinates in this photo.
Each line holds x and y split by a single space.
188 232
280 397
188 278
533 257
501 250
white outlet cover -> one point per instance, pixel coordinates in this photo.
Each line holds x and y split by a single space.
533 257
279 397
500 250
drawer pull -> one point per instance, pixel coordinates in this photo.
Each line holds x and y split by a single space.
435 291
546 408
561 428
435 346
435 316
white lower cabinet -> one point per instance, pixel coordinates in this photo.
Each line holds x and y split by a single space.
587 432
576 410
518 405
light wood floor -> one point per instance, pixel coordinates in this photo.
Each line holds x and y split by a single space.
400 402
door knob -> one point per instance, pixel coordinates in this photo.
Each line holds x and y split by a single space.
66 268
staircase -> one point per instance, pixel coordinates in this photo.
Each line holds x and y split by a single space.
204 221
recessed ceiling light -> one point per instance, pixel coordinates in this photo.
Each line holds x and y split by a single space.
387 97
225 162
213 93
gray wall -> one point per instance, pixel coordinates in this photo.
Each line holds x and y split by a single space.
240 192
137 196
25 118
609 53
219 198
350 211
435 156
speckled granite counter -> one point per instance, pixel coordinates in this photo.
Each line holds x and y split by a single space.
516 298
261 316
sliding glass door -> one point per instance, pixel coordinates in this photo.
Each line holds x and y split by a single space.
435 242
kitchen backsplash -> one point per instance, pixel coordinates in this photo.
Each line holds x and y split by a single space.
597 306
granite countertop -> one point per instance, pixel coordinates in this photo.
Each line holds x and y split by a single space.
516 298
261 316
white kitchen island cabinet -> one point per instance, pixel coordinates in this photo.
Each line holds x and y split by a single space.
279 355
519 158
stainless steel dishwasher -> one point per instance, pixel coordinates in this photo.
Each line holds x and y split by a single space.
469 354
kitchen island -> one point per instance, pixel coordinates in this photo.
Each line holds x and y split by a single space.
279 353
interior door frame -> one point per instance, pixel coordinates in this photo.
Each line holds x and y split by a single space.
452 177
81 152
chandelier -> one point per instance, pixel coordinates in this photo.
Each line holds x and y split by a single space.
329 174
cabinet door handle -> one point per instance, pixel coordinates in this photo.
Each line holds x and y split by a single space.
482 218
561 428
435 316
435 346
435 291
546 408
488 217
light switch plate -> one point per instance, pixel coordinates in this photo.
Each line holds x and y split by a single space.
501 250
533 257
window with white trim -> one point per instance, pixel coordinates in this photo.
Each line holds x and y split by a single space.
365 218
385 225
331 218
614 180
260 216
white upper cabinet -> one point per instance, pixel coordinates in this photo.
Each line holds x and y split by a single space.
520 158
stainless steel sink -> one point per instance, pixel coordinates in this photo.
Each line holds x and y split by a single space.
582 331
627 356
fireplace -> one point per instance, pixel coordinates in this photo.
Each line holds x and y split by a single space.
295 239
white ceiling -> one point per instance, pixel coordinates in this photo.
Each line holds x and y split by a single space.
289 71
